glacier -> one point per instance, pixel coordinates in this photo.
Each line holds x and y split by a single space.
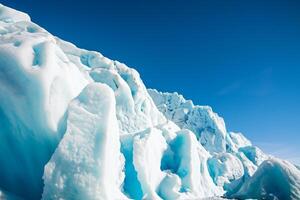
77 125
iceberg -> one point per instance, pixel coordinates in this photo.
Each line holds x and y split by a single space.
77 125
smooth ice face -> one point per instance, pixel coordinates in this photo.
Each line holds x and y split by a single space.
190 164
274 179
87 164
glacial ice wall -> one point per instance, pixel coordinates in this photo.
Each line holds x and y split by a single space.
77 125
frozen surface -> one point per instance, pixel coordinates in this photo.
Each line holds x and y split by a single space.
224 168
274 179
148 149
189 162
10 15
37 83
208 127
77 125
87 164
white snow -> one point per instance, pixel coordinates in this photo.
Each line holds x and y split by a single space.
148 148
225 167
208 126
274 179
77 125
236 141
37 82
87 164
9 15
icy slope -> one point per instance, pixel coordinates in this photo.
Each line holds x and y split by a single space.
274 179
77 125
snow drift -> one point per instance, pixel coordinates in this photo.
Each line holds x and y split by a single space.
274 179
77 125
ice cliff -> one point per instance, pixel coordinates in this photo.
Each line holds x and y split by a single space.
77 125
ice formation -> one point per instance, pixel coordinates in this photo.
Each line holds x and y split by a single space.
87 161
77 125
274 179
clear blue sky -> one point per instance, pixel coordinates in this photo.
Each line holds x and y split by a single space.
240 57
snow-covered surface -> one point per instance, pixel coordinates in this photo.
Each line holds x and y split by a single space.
148 149
77 125
208 127
88 161
274 179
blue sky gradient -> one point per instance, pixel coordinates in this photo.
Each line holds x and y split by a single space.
240 57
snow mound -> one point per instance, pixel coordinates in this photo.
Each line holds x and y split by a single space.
10 15
77 125
274 179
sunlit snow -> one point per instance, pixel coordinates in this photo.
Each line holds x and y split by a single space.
77 125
